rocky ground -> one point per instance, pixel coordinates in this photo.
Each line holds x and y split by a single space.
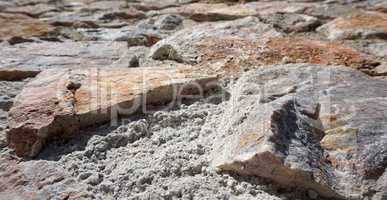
292 99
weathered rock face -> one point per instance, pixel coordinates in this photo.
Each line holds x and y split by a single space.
28 59
330 11
247 43
34 10
18 25
221 11
144 33
37 180
309 126
291 22
366 25
183 46
58 102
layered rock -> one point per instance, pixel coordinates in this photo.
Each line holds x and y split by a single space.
35 10
28 59
291 22
309 126
18 25
247 43
222 11
144 33
365 25
59 102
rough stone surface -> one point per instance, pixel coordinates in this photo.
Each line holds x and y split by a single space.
162 155
37 180
330 11
222 11
290 22
310 126
165 152
378 49
59 102
247 43
35 10
28 59
359 25
183 46
18 25
145 33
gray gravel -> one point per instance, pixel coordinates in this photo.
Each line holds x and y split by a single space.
162 155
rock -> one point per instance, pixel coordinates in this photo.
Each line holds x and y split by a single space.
379 7
246 43
8 91
290 22
144 33
308 126
186 45
380 70
35 10
17 25
330 11
365 25
312 194
300 50
161 23
28 59
37 180
59 102
134 62
221 11
378 49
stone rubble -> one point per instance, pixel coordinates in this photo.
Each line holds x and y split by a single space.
295 108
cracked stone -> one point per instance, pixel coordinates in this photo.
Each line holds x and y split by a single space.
46 109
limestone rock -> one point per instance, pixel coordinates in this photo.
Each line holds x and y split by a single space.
59 102
144 33
366 25
37 180
222 11
28 59
309 126
32 10
380 70
379 7
378 49
330 11
246 43
18 25
187 46
291 22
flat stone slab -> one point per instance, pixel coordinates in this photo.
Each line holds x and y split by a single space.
223 11
28 59
309 126
59 102
364 25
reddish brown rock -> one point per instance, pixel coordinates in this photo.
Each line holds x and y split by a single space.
17 25
240 52
247 43
58 102
366 25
